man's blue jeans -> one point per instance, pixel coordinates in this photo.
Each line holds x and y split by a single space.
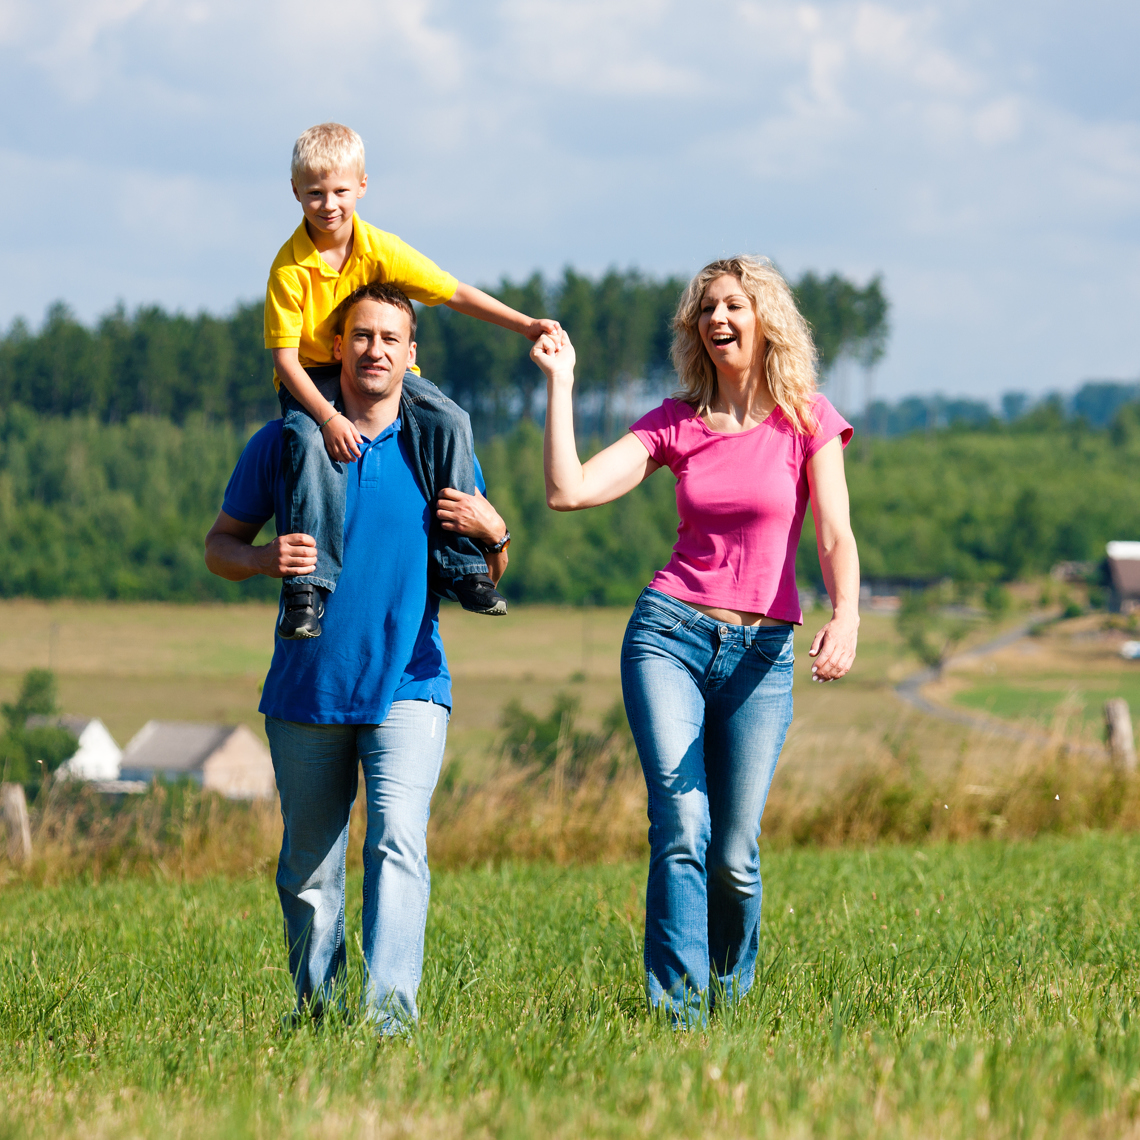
709 705
316 767
437 434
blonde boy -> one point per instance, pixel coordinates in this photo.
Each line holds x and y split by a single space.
330 254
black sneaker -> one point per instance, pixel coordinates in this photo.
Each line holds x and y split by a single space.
302 613
476 593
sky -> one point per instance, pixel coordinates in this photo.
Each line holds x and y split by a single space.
984 158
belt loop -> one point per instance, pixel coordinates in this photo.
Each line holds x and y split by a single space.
749 633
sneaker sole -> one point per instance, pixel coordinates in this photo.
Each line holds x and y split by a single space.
300 635
499 609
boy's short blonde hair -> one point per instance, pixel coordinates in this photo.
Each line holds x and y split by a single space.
326 149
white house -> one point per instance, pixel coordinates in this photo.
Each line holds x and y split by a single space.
1124 567
98 755
221 757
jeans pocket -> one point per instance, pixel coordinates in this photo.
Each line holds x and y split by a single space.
778 651
657 619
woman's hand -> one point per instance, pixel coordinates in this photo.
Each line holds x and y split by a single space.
554 354
834 648
471 515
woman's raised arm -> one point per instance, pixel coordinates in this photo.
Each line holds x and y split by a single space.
570 484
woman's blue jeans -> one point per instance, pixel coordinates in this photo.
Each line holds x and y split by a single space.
316 769
709 705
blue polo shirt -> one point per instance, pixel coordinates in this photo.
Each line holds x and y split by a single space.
381 638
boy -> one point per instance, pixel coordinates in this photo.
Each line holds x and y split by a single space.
330 254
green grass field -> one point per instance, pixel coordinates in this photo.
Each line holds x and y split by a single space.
1041 698
985 989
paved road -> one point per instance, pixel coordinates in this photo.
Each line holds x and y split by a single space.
910 690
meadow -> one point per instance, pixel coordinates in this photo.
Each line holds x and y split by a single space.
985 989
927 968
128 662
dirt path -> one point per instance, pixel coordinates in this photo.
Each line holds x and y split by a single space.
910 691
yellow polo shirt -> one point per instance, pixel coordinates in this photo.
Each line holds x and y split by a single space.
304 289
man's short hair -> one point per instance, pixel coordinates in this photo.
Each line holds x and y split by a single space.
379 291
326 149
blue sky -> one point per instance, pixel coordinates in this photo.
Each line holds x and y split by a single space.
984 158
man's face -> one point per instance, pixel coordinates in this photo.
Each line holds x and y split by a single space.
328 200
376 348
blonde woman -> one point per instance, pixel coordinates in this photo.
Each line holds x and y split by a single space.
707 659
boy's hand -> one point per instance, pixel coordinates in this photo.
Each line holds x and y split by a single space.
288 555
543 326
342 440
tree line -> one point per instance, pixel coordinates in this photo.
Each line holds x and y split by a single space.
154 363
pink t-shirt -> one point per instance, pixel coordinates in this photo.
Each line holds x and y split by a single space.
741 499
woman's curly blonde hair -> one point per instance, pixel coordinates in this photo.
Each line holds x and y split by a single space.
789 353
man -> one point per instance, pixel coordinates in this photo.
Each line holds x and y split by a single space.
376 693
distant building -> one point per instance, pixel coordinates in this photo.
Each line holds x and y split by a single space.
98 755
222 758
1124 567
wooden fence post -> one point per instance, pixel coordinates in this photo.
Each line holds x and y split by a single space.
1118 721
15 807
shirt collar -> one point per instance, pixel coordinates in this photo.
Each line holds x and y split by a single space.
307 255
392 429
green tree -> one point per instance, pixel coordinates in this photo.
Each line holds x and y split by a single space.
929 631
28 754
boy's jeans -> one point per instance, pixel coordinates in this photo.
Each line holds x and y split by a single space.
315 766
437 433
709 705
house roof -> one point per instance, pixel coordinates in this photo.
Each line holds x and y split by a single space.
73 724
173 746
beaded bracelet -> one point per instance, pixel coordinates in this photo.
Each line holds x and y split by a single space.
329 420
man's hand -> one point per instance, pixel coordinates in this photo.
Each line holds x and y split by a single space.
471 515
287 556
542 326
834 649
230 552
342 440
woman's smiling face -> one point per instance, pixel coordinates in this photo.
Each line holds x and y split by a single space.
728 326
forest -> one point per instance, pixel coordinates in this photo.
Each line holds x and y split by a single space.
116 441
96 510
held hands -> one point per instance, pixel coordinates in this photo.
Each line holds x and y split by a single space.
542 326
834 649
471 515
342 440
554 354
289 555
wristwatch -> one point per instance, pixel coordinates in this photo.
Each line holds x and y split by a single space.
500 546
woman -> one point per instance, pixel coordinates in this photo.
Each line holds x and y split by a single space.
707 659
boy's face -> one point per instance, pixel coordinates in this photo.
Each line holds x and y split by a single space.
328 200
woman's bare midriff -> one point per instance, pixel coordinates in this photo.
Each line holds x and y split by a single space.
735 617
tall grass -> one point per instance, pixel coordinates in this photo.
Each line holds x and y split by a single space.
565 796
